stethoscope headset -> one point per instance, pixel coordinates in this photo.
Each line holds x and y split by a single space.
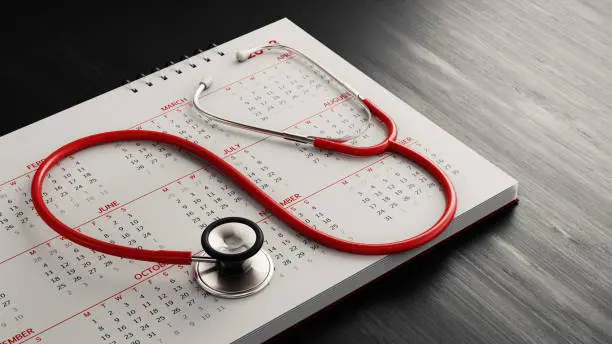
232 264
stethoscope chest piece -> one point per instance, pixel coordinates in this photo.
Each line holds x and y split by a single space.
233 264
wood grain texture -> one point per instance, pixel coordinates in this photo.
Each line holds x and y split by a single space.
527 84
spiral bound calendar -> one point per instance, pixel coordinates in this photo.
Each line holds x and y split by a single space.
146 194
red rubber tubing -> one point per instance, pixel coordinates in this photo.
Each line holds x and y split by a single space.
184 257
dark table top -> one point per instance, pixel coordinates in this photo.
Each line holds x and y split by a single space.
524 83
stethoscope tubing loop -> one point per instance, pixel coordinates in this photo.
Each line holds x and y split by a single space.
185 257
389 144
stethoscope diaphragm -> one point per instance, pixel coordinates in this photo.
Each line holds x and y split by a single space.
233 264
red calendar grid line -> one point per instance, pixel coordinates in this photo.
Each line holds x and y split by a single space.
14 179
171 110
167 184
29 249
328 186
341 179
174 265
95 304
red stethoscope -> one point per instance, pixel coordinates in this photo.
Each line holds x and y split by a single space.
232 263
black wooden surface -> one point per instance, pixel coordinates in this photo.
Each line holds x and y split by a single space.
527 84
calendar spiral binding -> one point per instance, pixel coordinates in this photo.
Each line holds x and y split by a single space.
171 66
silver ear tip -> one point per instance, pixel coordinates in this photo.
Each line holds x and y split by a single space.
207 82
243 55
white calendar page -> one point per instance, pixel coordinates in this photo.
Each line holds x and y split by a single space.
144 194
